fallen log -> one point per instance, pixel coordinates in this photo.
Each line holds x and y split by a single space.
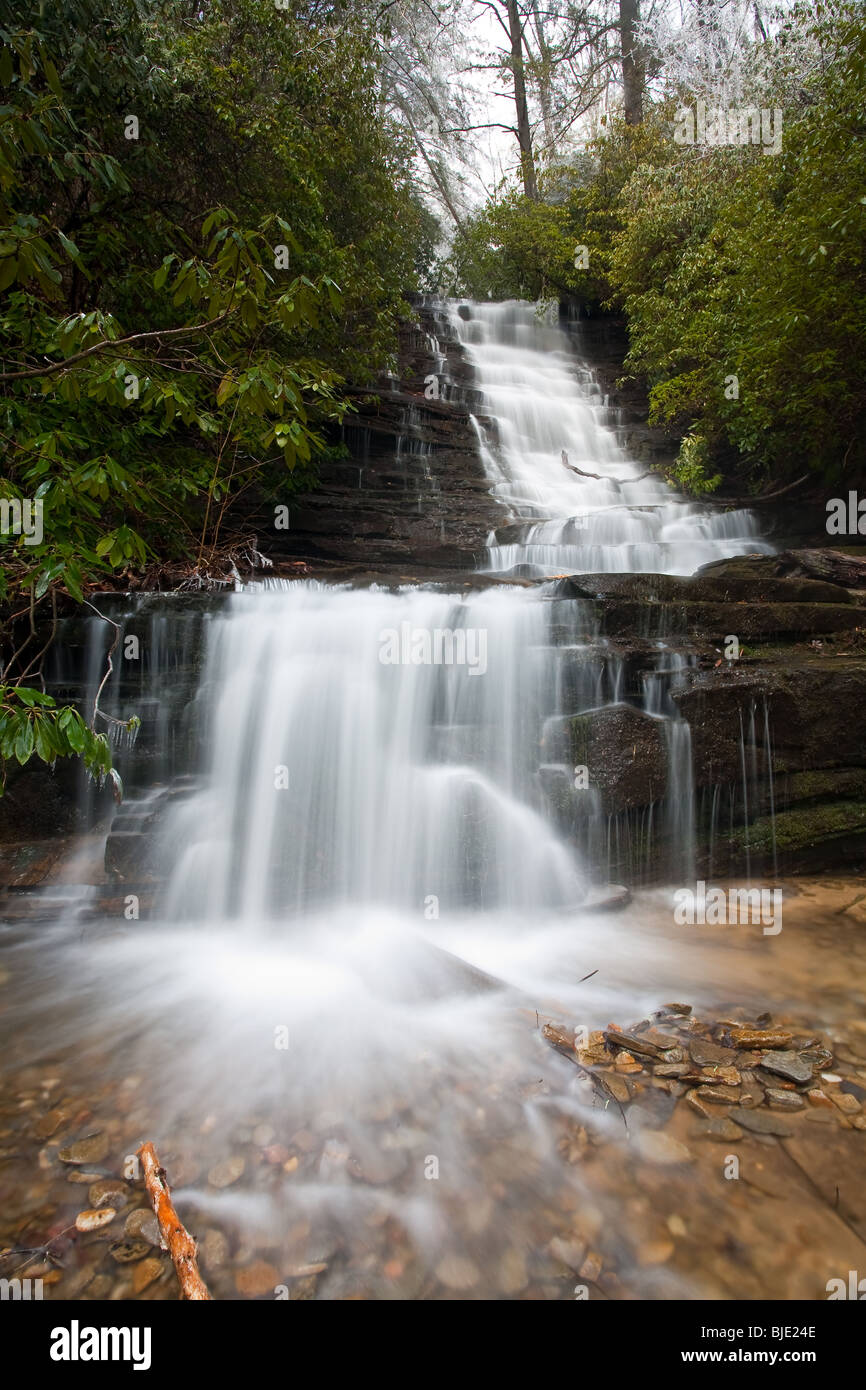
176 1237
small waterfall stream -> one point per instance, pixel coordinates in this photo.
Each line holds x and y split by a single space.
544 401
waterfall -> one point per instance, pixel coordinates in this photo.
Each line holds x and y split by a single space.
543 401
368 748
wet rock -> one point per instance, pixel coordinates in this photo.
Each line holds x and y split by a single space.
695 1103
141 1224
109 1192
94 1220
85 1178
617 1086
145 1273
657 1147
718 1095
785 1100
821 1117
458 1273
708 1054
722 1130
684 1009
92 1149
848 1104
853 1088
671 1069
127 1252
818 1097
761 1038
214 1249
632 1042
49 1123
751 1090
257 1279
762 1122
788 1065
227 1172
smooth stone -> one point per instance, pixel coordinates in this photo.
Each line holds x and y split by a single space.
722 1130
90 1150
126 1252
109 1192
94 1220
145 1273
228 1171
762 1122
141 1224
848 1104
672 1069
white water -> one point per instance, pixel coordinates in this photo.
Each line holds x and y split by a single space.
544 401
337 777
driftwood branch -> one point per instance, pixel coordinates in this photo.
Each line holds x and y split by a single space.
602 478
176 1237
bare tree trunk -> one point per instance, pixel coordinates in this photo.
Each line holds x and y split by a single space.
524 130
545 70
632 61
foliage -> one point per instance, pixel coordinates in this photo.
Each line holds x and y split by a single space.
207 230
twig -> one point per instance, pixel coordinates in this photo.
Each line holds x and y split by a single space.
176 1237
601 478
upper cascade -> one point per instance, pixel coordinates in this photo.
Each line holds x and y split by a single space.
544 403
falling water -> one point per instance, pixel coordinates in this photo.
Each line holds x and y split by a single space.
369 855
542 402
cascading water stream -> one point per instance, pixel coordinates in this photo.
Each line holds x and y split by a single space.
544 401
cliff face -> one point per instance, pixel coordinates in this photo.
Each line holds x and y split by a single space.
412 492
